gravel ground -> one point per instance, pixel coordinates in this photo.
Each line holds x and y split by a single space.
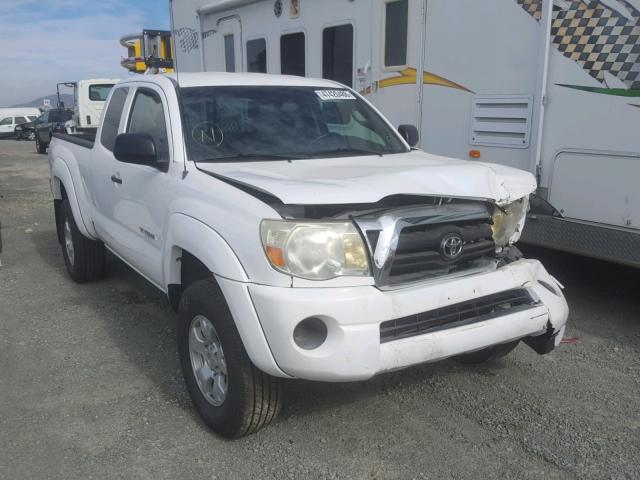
90 385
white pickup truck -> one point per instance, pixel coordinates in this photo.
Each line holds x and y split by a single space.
298 235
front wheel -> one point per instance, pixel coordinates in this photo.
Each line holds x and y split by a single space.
233 397
83 257
40 147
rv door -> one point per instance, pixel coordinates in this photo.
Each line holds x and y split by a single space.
397 59
222 43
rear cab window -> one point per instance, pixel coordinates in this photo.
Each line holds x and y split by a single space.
60 116
112 117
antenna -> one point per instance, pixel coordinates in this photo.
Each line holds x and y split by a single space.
177 70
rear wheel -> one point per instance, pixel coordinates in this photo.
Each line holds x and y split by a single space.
84 258
488 354
233 397
40 147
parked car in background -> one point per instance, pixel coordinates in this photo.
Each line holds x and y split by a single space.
50 122
27 130
10 118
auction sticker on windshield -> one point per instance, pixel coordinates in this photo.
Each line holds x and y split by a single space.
335 95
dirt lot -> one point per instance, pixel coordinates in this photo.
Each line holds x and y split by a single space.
90 385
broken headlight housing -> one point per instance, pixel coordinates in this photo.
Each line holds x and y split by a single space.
508 222
315 250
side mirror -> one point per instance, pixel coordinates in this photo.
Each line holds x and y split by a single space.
137 148
410 134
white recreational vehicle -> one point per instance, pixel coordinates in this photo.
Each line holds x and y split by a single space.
548 86
89 97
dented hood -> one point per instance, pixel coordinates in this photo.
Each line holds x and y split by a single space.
367 179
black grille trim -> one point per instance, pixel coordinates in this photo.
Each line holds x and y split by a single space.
457 315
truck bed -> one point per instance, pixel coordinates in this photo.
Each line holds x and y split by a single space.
85 140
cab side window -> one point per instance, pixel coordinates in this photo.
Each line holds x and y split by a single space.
147 116
112 118
7 121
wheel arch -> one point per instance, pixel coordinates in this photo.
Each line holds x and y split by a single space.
194 251
193 246
62 188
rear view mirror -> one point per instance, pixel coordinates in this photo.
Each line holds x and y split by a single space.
410 134
137 148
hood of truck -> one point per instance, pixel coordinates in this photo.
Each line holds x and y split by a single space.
368 179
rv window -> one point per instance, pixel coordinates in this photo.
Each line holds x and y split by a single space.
99 93
257 55
112 116
337 54
395 33
292 54
147 116
229 53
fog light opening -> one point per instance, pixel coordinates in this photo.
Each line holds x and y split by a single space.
310 333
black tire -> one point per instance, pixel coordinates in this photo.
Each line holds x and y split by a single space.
253 398
88 262
488 354
39 146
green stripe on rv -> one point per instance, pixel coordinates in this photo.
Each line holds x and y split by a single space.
618 92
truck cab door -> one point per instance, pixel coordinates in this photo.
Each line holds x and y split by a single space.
99 171
141 196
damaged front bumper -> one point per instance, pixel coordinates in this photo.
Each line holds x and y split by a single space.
354 348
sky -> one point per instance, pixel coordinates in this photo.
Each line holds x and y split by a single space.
43 42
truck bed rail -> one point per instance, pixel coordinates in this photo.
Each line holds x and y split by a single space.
85 140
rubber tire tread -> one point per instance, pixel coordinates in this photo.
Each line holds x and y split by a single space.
40 147
254 398
488 354
90 255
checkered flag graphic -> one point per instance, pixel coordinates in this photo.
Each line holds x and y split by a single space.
187 39
532 7
599 38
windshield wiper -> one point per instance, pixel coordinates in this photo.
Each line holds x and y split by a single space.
348 151
255 157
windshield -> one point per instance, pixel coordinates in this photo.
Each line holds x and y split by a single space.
249 123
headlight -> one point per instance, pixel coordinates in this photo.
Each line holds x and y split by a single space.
315 250
508 222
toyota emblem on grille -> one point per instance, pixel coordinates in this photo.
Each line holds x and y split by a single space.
451 246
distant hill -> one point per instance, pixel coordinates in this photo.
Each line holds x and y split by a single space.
38 102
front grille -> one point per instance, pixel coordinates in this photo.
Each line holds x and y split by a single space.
418 252
408 244
465 313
